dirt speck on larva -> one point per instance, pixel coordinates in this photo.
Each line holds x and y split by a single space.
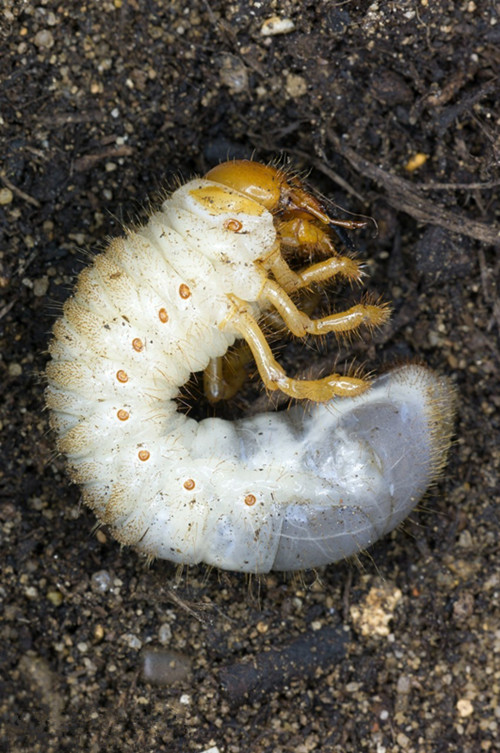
105 105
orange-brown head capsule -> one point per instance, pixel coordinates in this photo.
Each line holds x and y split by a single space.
262 183
270 187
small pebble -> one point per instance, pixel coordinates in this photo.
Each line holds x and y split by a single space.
296 86
464 707
416 161
132 641
165 634
233 73
403 741
403 686
40 286
6 196
101 581
276 25
15 369
374 613
44 39
55 598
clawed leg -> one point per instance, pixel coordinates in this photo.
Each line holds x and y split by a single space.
323 270
274 377
300 324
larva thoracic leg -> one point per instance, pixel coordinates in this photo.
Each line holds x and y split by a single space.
325 270
287 490
300 324
275 378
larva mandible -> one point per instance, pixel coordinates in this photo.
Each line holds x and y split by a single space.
284 491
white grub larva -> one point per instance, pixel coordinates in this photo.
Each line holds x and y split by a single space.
283 491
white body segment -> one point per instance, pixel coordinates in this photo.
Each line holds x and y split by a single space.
282 491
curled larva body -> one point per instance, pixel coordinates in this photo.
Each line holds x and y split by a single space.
281 491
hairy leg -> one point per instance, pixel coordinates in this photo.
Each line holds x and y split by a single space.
274 376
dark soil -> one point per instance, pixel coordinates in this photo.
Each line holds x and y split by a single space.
393 108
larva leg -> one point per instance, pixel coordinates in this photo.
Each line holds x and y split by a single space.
323 270
300 324
225 375
275 378
307 303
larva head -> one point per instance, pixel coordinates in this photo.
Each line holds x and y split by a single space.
269 186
